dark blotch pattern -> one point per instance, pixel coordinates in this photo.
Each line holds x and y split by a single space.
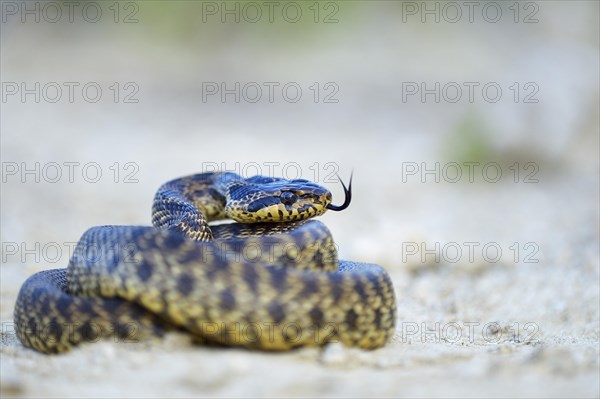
278 279
175 239
336 288
316 315
185 284
251 278
360 290
63 305
87 308
311 287
276 311
145 270
351 319
227 298
378 318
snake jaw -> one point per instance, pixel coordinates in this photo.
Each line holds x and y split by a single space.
347 199
302 209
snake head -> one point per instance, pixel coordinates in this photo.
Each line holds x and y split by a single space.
266 199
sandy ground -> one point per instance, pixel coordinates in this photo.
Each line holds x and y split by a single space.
467 328
520 318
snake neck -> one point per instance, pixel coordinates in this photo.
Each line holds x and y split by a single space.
189 203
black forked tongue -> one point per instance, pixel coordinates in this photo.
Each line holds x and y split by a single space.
347 193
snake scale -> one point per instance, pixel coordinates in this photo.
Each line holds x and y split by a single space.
271 281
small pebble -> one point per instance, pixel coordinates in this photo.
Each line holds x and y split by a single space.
334 354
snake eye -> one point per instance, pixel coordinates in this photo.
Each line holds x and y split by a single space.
288 197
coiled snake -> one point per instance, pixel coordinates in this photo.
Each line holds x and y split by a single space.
258 283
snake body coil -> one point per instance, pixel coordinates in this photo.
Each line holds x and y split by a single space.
266 285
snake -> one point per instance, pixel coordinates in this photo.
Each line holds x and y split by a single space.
231 261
